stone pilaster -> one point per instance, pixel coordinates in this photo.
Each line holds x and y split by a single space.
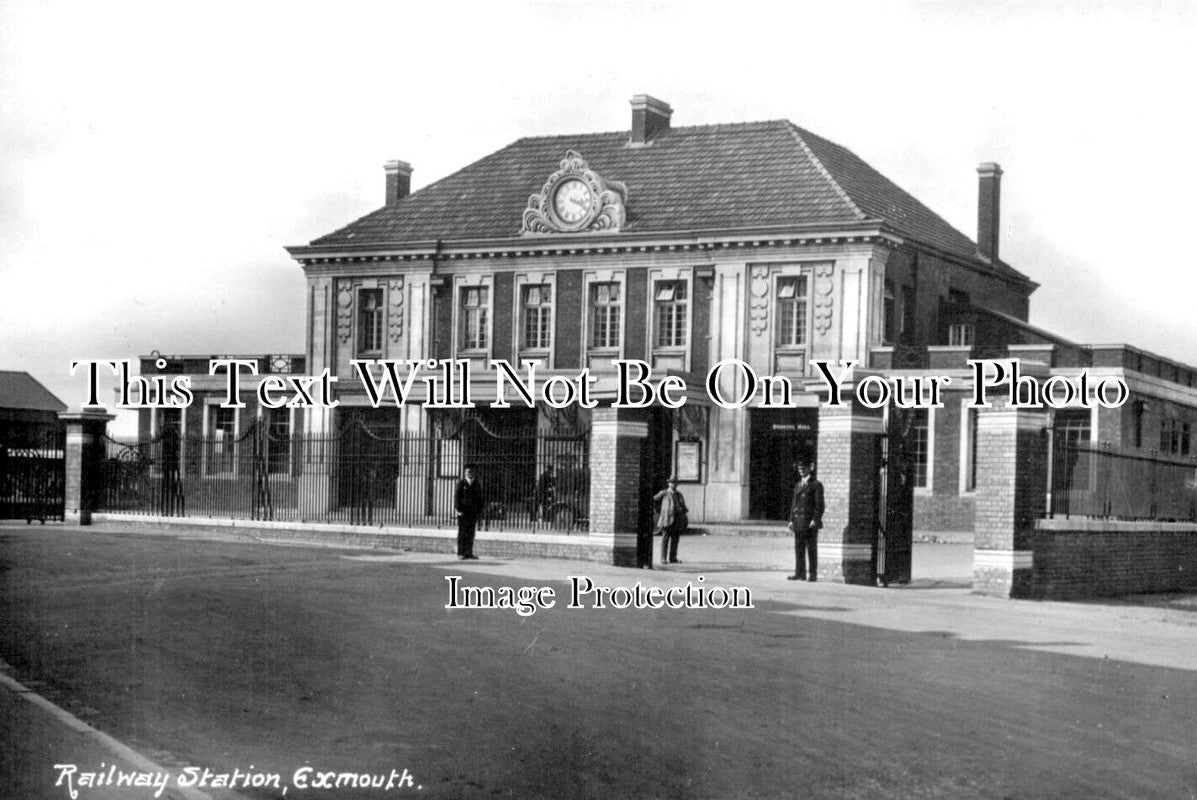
1011 455
83 460
849 438
617 439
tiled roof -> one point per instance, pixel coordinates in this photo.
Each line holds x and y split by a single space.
21 391
749 175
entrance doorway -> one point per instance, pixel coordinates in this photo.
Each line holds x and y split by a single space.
778 440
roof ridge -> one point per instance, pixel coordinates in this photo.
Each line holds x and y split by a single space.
687 128
795 131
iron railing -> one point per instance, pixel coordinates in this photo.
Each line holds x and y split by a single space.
537 482
1100 482
32 477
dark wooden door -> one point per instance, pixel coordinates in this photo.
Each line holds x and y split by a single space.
778 440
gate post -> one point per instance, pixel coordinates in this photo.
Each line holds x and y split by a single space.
849 439
83 458
1011 459
617 436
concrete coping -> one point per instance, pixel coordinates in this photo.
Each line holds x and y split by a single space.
572 539
1088 525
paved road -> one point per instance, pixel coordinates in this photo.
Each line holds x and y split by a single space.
230 653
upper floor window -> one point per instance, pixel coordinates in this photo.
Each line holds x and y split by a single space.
474 321
370 312
604 315
1137 409
888 313
1072 427
960 335
537 307
791 311
1174 437
672 304
909 308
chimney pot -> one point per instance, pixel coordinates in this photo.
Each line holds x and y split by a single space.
398 181
989 205
650 116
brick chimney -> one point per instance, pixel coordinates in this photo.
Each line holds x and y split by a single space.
989 209
650 116
398 181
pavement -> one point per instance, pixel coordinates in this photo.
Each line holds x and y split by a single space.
1158 631
28 771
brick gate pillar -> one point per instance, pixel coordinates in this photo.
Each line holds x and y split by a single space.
82 461
617 437
849 438
1011 459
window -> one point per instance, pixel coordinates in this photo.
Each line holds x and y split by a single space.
960 335
889 314
222 439
908 311
370 311
672 303
604 315
168 419
968 443
1137 409
474 323
169 429
1175 437
1072 427
791 311
278 440
537 305
920 447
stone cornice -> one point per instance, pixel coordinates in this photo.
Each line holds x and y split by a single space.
704 241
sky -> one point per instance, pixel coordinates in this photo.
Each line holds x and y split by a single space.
156 157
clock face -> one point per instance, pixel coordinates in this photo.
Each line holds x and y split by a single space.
572 201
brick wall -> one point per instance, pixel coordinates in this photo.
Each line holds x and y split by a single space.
945 508
1099 558
700 335
570 310
1011 497
1011 482
847 465
617 442
942 514
636 307
501 327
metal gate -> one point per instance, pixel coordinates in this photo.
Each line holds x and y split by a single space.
32 477
895 499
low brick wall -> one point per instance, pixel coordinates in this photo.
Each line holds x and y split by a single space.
1077 558
620 550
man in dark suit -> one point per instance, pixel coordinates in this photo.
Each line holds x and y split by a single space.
468 503
806 517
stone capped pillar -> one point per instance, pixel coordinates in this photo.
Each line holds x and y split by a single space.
849 442
617 437
1012 462
82 461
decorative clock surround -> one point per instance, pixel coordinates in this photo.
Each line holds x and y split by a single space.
576 199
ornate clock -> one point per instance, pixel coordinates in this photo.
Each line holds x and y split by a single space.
575 199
